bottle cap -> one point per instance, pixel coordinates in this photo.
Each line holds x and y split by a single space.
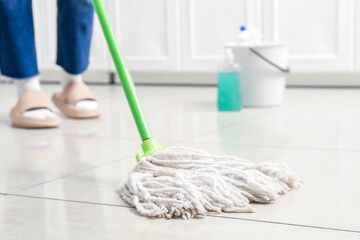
243 28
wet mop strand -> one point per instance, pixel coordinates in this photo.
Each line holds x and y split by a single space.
189 183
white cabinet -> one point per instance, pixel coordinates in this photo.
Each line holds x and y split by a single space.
208 24
320 33
188 35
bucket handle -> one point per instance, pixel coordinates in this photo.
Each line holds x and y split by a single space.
285 70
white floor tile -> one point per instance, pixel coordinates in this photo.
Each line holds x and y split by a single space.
329 196
96 186
26 218
31 159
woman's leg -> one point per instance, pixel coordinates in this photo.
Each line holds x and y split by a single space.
75 25
17 44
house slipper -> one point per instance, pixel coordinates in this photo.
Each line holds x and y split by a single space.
74 92
32 100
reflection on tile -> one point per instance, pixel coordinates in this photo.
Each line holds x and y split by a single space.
174 114
31 159
66 220
98 185
323 96
171 116
306 126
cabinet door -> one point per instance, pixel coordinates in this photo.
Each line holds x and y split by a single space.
148 33
207 25
319 32
99 54
44 13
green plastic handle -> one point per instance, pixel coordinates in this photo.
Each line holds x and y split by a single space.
123 71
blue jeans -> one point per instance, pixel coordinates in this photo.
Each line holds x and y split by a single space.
17 43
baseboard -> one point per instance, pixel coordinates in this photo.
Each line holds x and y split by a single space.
316 79
174 78
54 76
89 76
304 79
324 79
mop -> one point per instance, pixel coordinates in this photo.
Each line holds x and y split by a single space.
182 182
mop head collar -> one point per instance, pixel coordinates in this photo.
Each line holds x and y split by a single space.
148 148
188 183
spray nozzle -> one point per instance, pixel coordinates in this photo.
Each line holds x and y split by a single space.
229 55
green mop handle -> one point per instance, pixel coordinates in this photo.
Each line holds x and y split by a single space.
123 71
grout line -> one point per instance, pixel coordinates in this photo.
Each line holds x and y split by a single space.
97 136
28 132
276 146
287 224
315 87
69 175
214 216
70 201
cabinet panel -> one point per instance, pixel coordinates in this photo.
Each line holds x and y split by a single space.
207 26
142 28
213 22
300 24
44 13
319 32
147 31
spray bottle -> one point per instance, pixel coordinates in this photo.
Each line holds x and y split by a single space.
229 87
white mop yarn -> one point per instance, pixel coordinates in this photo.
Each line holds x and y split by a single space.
187 183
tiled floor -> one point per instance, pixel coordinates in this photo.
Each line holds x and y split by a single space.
60 183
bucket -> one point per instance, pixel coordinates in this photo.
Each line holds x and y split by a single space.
263 73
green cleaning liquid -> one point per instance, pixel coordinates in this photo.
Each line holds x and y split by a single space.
229 91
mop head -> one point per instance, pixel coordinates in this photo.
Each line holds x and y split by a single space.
187 183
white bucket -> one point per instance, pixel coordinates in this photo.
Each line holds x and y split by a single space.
263 73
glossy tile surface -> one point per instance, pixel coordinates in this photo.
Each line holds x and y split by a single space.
31 159
61 183
304 126
329 196
94 186
322 119
175 114
67 220
324 173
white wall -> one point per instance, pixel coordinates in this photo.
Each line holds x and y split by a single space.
188 35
